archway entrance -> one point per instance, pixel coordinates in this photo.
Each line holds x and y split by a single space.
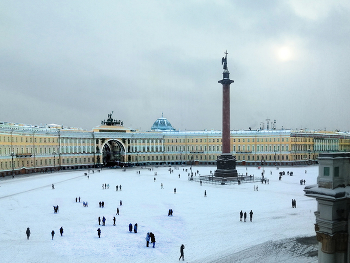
113 153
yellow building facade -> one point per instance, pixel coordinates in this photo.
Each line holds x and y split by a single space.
28 149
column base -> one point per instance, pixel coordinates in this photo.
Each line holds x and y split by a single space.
226 166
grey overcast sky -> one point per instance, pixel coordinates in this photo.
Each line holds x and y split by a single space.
73 62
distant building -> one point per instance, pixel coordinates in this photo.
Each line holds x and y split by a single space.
28 148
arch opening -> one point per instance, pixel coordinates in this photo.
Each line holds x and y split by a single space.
113 153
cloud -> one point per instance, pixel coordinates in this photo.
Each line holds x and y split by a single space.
74 62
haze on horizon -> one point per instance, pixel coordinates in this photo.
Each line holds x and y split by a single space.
72 63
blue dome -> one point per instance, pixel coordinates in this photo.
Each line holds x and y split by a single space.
162 124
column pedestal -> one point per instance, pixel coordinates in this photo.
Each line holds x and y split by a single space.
226 164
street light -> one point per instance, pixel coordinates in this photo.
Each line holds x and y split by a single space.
54 160
12 154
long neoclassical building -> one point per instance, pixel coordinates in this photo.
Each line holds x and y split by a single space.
27 149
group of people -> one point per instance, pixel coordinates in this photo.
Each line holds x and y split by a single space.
53 233
55 209
120 187
135 228
103 221
244 216
101 204
150 237
170 213
105 186
302 182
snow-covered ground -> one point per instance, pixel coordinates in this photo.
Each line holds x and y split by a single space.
209 227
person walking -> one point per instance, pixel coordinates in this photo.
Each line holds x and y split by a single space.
182 252
28 232
130 227
251 215
52 234
99 232
61 231
135 228
205 193
147 239
240 215
245 216
99 221
117 211
103 221
114 221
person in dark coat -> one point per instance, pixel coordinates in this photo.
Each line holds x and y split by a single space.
61 231
100 204
174 190
205 193
116 188
99 220
130 227
120 187
245 216
103 204
182 252
28 232
251 215
79 199
103 221
117 211
153 239
113 221
120 202
135 228
52 234
240 215
76 199
147 240
99 232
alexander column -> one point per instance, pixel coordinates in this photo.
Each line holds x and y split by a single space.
226 163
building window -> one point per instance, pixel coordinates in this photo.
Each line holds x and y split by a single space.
336 171
326 171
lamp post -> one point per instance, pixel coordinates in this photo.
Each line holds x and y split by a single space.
54 160
12 154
